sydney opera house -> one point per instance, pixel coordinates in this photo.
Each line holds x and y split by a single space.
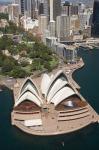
54 108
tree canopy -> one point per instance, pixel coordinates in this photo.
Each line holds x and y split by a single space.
29 48
4 16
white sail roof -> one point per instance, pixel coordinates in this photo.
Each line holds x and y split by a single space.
53 79
28 96
30 87
62 95
27 82
55 88
44 84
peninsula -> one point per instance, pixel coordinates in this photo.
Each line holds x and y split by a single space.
54 107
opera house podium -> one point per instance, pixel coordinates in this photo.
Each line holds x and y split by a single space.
56 107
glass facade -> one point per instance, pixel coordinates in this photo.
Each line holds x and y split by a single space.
95 20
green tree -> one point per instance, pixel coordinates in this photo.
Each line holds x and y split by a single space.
18 72
4 16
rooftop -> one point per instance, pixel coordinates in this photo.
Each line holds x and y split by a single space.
55 107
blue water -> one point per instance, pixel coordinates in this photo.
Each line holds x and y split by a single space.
12 138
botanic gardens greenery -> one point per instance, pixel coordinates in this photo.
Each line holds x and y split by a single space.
4 16
9 66
30 48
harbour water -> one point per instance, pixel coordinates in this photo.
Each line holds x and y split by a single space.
12 138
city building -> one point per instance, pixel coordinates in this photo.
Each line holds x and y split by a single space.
81 8
63 27
43 23
51 42
13 11
74 24
41 8
70 53
87 32
49 7
26 7
95 20
79 37
58 109
69 9
67 52
3 23
3 9
56 8
84 20
66 8
52 28
28 23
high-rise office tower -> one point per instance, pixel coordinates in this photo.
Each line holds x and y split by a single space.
22 5
33 6
74 10
81 7
56 8
41 8
66 8
51 10
13 11
19 3
52 22
63 27
43 23
44 7
27 7
69 9
95 20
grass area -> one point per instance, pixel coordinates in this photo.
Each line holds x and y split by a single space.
54 62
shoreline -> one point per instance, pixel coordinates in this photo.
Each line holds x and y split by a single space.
79 65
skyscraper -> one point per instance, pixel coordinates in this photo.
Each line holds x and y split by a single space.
13 11
95 20
69 9
63 27
22 7
56 8
44 7
51 10
66 8
41 8
43 23
27 7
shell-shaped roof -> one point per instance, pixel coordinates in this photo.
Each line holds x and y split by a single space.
29 92
44 83
62 95
27 82
55 88
28 96
59 74
59 84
